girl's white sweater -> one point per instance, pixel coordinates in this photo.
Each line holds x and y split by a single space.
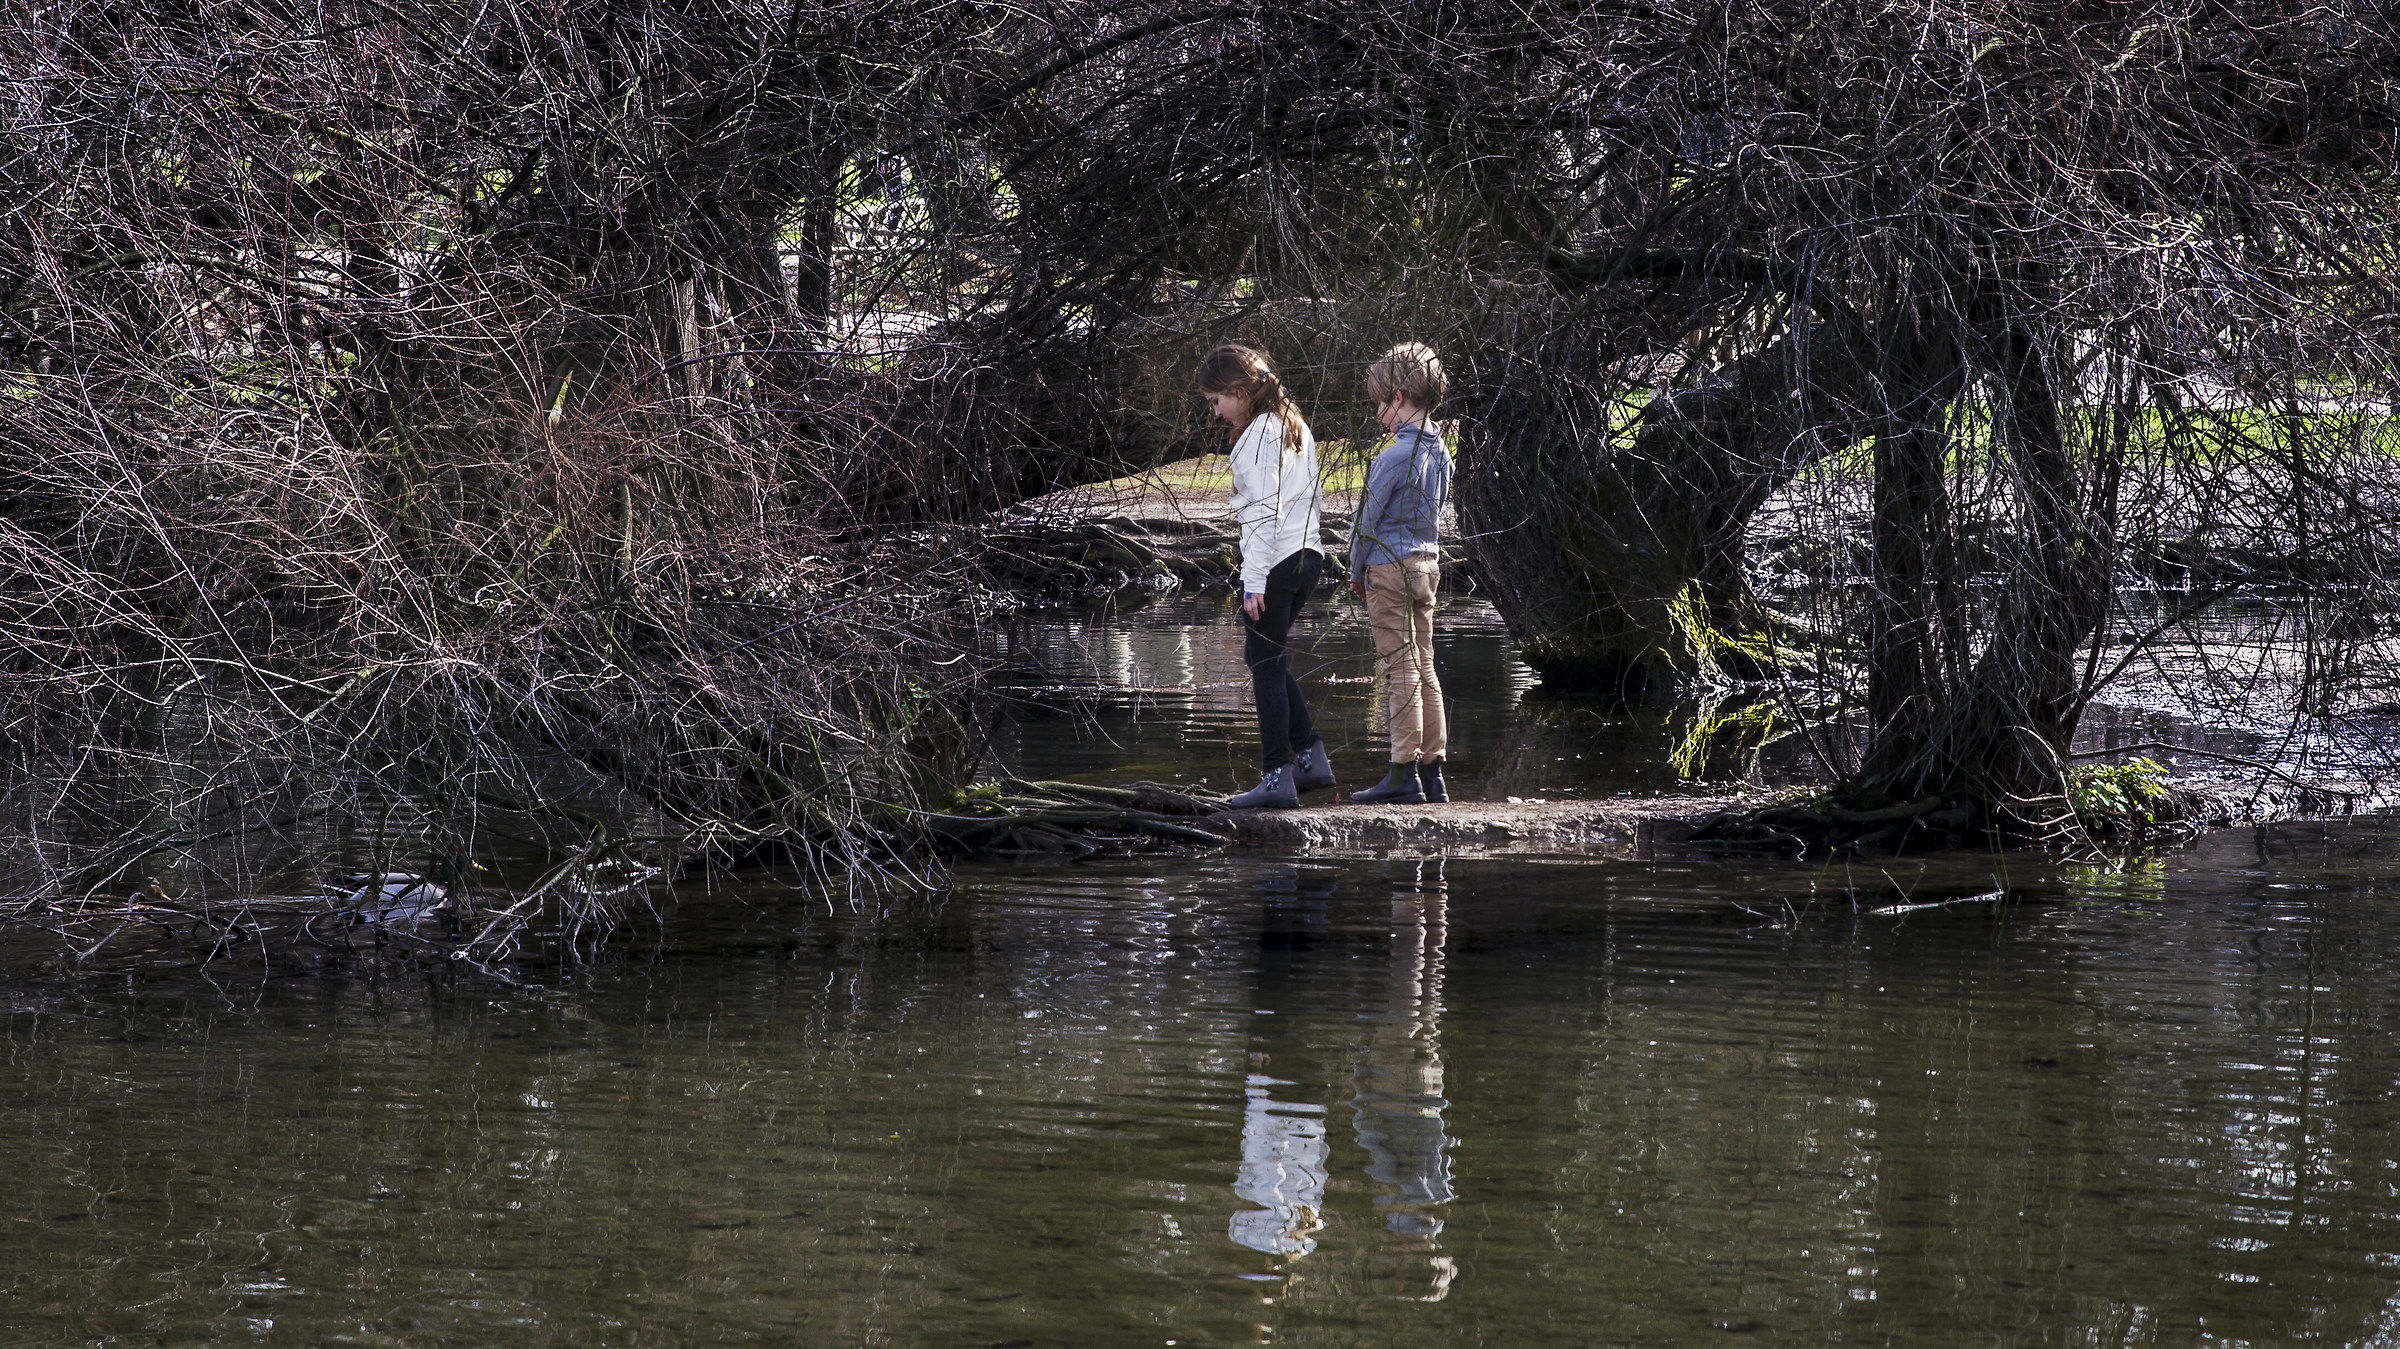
1275 498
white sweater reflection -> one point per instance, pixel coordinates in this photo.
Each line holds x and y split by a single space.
1396 1115
1283 1172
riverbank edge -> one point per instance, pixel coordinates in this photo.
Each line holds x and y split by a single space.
1614 825
1633 827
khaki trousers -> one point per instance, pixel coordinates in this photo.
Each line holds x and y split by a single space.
1400 610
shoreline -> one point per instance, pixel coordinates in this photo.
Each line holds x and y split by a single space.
1618 826
1630 827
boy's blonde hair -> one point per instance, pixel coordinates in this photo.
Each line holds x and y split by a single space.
1410 370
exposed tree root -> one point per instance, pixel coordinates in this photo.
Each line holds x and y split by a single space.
2144 814
1832 826
1016 818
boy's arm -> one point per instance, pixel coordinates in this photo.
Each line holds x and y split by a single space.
1372 503
1439 467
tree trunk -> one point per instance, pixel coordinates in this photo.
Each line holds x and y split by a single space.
813 295
2000 734
1918 648
1618 564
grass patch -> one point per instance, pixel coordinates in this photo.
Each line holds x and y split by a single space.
1208 478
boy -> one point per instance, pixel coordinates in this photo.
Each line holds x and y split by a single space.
1395 567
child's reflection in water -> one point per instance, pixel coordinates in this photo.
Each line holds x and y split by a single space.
1396 1084
1283 1171
1396 1107
1283 1142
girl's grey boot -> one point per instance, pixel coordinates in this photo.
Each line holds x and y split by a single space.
1398 788
1429 778
1273 792
1315 767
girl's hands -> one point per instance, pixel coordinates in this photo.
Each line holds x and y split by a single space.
1255 606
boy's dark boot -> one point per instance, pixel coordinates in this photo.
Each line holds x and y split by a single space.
1315 767
1429 778
1398 788
1273 792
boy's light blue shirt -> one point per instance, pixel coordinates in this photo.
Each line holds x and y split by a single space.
1401 512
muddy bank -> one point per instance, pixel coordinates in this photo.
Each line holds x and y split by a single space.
1014 816
1081 821
1062 822
1066 818
1615 826
1631 826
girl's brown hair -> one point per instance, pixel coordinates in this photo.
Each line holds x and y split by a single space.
1245 371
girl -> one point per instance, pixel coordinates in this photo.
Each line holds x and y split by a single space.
1275 500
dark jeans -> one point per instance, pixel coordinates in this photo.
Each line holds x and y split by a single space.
1283 724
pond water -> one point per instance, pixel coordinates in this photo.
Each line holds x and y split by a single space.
1161 693
1240 1099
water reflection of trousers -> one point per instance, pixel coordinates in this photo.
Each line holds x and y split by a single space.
1283 724
1400 610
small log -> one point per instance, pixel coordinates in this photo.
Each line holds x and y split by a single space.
1073 817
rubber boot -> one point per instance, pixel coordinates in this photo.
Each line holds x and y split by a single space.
1273 792
1429 778
1315 767
1398 788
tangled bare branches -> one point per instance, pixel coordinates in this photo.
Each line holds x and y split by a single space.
455 408
583 418
2069 286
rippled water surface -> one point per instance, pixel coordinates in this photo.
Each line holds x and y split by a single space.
1236 1101
1367 1101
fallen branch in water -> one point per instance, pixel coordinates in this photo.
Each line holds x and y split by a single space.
1014 817
504 926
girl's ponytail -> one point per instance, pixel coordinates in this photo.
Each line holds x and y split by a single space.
1245 371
